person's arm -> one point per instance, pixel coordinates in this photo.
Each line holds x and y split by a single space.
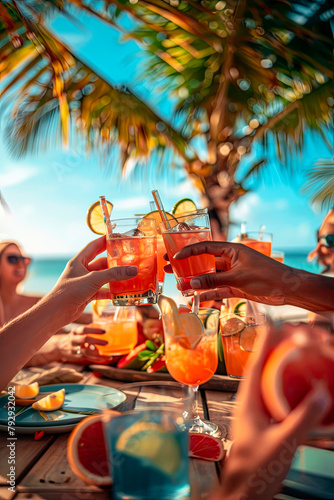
78 285
262 450
245 273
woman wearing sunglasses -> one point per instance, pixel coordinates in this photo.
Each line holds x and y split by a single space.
13 270
324 251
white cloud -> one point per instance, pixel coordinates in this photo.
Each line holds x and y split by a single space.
16 176
281 204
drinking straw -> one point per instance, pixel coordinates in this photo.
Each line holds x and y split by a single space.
252 310
243 230
160 207
106 215
196 301
262 229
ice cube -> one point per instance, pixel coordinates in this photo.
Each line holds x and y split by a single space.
181 226
128 246
134 232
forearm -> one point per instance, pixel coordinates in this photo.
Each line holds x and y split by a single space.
24 336
307 290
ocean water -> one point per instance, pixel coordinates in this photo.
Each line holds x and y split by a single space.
44 273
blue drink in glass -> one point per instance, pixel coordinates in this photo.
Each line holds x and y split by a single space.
149 455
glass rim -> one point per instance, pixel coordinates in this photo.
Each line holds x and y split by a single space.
126 219
181 218
242 314
267 233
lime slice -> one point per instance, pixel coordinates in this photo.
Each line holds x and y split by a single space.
232 327
247 338
170 314
240 307
211 321
95 219
192 330
183 206
151 443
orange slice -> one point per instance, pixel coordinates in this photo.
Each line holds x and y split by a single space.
157 217
29 391
95 218
51 402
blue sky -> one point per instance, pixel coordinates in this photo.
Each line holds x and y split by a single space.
49 193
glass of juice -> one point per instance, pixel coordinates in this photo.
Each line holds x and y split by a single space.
239 333
185 230
120 326
193 359
133 242
260 242
148 453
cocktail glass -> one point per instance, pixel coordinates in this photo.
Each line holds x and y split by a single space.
261 242
183 231
193 360
279 256
120 325
134 242
148 453
239 333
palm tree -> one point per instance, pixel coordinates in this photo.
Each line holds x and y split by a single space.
242 73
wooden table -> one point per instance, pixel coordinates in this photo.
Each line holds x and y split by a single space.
43 472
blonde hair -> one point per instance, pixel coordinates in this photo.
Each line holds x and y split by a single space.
5 244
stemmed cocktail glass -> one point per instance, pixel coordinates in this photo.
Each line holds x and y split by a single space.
191 347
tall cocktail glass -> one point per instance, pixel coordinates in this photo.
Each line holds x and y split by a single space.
239 333
134 242
192 359
185 230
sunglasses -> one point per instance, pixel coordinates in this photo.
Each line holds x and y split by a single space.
327 241
14 259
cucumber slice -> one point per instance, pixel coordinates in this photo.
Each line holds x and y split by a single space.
211 321
240 307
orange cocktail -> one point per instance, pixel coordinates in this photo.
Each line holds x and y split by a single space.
192 366
239 333
261 243
121 335
136 246
183 231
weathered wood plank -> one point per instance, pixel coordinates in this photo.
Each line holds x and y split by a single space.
52 472
27 451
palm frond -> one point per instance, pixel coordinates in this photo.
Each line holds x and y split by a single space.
320 183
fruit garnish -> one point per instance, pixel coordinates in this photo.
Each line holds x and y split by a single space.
151 443
99 305
232 327
170 314
95 218
51 402
26 391
184 206
292 370
191 330
240 307
248 338
156 216
87 452
205 447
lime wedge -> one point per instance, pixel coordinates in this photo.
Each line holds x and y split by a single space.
240 307
183 206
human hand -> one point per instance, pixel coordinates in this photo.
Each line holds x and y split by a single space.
262 451
83 278
81 343
241 272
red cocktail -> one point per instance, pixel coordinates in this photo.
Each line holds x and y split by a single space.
183 231
134 242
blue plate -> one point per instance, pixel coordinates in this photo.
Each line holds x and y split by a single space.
78 397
